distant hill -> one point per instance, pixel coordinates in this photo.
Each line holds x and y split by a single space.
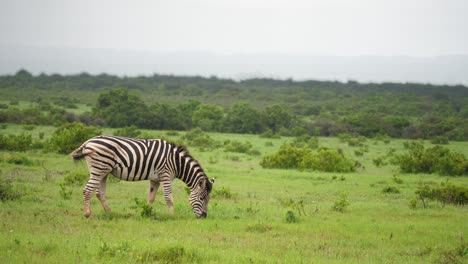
452 70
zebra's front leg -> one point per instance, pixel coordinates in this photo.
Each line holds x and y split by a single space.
101 194
167 189
93 183
154 186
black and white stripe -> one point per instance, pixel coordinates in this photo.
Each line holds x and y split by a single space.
142 159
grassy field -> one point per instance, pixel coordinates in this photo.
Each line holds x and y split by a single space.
255 215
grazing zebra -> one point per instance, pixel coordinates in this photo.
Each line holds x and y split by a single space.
139 159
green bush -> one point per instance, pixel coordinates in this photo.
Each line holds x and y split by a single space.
328 160
75 178
341 204
437 159
440 140
21 142
70 136
446 193
20 159
7 191
288 157
390 189
237 146
306 141
129 131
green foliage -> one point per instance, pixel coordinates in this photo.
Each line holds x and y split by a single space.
70 136
440 140
20 159
65 191
223 193
239 147
295 205
21 142
75 178
437 159
446 193
291 217
328 160
146 209
306 141
287 157
390 189
197 138
129 131
7 192
341 204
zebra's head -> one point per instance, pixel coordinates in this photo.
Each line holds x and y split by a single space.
200 196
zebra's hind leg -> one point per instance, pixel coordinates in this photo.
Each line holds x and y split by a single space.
93 183
101 194
167 189
154 186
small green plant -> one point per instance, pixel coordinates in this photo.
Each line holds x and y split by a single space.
397 180
291 217
440 140
223 193
341 204
65 192
75 178
390 190
146 209
259 228
379 161
296 205
7 191
129 131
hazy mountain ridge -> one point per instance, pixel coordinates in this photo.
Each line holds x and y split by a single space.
452 69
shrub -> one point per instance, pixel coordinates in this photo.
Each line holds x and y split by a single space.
390 189
291 217
71 135
146 209
236 146
198 138
341 204
20 159
129 131
306 141
328 160
288 157
65 192
223 193
445 193
440 140
6 190
21 142
437 159
75 178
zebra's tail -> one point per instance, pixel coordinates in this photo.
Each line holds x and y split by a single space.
77 156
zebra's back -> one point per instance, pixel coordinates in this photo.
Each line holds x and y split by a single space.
126 158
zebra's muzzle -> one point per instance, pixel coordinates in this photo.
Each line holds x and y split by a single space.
203 215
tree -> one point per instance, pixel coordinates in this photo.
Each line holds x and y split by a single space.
120 109
277 117
208 117
243 118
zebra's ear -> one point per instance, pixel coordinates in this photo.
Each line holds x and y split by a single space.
212 180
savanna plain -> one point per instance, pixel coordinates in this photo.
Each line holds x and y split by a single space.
256 215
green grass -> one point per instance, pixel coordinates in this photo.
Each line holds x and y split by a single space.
248 225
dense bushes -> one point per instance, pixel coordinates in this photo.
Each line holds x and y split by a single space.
446 193
328 160
21 142
437 159
70 136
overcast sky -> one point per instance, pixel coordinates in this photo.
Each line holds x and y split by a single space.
70 34
325 27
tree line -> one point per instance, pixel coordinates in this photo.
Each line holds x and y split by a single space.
286 107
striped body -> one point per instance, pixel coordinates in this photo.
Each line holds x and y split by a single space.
140 159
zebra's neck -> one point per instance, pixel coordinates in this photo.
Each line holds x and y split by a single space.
188 170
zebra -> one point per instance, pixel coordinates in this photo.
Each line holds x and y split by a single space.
132 159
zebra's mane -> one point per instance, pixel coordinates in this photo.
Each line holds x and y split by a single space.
183 151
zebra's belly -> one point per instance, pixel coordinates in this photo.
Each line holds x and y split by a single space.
127 174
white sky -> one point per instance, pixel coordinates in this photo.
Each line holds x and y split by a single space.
317 27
